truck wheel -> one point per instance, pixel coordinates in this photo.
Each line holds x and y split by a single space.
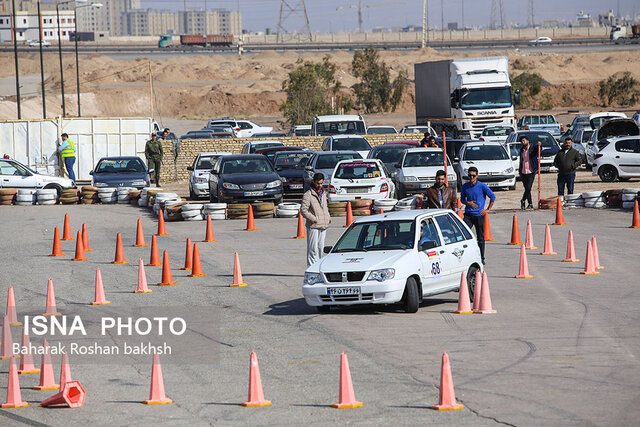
411 298
471 281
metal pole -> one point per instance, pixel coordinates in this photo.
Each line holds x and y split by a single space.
75 37
206 24
64 107
444 149
44 104
150 90
424 23
442 17
539 176
15 55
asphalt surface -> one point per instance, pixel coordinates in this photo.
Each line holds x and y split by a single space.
562 349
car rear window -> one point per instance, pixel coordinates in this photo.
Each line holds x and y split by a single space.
390 154
503 131
292 160
424 159
381 131
259 146
545 138
329 161
356 144
253 165
120 166
358 170
485 152
206 162
355 127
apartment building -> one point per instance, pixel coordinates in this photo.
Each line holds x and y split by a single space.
153 22
111 17
27 27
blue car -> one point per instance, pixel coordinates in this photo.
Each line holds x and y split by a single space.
122 171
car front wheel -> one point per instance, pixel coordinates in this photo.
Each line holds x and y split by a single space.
411 297
607 173
471 280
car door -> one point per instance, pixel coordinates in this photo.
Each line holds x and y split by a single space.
432 261
14 175
246 129
627 156
214 176
453 249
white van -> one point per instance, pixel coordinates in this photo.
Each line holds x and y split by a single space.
338 125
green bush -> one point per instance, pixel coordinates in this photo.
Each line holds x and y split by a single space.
546 103
375 91
622 90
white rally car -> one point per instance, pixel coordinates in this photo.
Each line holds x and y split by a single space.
360 179
394 257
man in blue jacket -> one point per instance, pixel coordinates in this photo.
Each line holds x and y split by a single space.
473 197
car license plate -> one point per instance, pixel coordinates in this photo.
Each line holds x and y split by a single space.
295 186
493 184
424 186
357 190
253 193
352 290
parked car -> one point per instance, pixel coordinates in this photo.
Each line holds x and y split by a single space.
300 130
513 148
615 127
418 129
411 143
270 152
545 122
417 170
389 154
636 117
541 40
244 178
618 158
396 257
221 129
581 136
36 43
199 173
360 179
121 171
495 167
344 124
381 130
252 146
206 134
324 162
496 133
579 120
242 128
14 174
274 134
346 142
290 166
548 149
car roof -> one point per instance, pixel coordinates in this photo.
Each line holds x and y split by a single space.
407 142
389 146
475 143
265 141
401 215
279 148
607 114
380 126
244 156
346 136
331 118
423 149
214 153
360 161
304 150
119 158
302 127
518 132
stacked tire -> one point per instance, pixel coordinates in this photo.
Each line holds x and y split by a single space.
161 199
70 196
173 211
89 195
338 209
629 196
134 196
151 196
237 210
108 195
26 196
613 198
192 212
594 199
263 209
123 195
288 210
47 196
361 207
7 196
549 203
573 201
386 205
142 201
215 210
406 204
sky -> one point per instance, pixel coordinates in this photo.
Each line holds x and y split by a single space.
342 15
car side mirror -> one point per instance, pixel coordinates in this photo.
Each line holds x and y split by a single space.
190 168
90 172
308 168
426 245
397 166
456 159
514 157
516 97
327 249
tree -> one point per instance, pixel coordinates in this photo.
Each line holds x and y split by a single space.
375 91
624 90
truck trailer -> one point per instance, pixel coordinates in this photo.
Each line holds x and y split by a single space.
168 40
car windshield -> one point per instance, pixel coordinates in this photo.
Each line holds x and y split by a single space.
497 131
381 131
377 236
485 152
358 170
206 162
120 166
515 149
391 154
329 161
251 165
350 144
217 128
197 135
292 160
586 135
354 127
539 120
545 138
224 135
486 98
424 158
260 146
302 132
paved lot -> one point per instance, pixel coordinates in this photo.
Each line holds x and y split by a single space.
562 350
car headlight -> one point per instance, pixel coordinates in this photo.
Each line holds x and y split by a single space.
230 186
284 179
382 275
202 179
138 182
507 171
101 184
409 178
312 278
274 184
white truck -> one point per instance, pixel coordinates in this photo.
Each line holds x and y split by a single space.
620 34
463 96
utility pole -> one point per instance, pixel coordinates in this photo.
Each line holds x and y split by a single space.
15 55
286 10
462 8
360 16
206 24
531 16
424 23
150 90
44 103
442 17
64 107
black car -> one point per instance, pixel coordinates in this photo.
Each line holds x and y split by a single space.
244 178
290 166
269 135
122 171
389 154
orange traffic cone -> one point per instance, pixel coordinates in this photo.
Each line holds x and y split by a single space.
11 308
256 395
459 209
162 231
559 214
119 258
65 370
485 297
347 397
477 293
349 215
635 222
79 249
524 266
154 260
237 273
71 394
47 379
157 396
57 249
139 236
251 226
142 280
487 229
197 266
188 256
66 230
302 234
381 211
85 239
589 263
548 245
447 400
26 361
571 251
51 300
14 396
208 235
528 240
167 277
99 296
515 232
464 306
7 340
596 256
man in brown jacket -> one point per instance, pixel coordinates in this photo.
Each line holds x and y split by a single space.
315 210
439 196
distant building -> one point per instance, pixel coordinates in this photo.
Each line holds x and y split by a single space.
550 24
27 27
152 22
111 17
607 20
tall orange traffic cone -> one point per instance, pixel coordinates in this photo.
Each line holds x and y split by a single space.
487 229
57 249
347 397
447 400
71 394
589 263
477 291
349 219
99 295
162 231
47 379
524 266
208 235
459 209
6 352
85 238
79 249
571 251
142 280
256 395
139 236
26 359
119 258
251 226
65 370
596 256
197 266
485 297
154 259
188 256
167 277
528 239
237 273
464 306
635 222
11 308
14 396
66 229
156 395
515 232
548 245
559 214
302 233
51 300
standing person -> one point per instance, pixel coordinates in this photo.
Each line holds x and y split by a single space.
473 196
315 210
439 196
153 152
528 169
68 152
567 161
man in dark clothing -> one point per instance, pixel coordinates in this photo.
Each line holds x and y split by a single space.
567 161
439 196
473 196
428 141
153 152
528 168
